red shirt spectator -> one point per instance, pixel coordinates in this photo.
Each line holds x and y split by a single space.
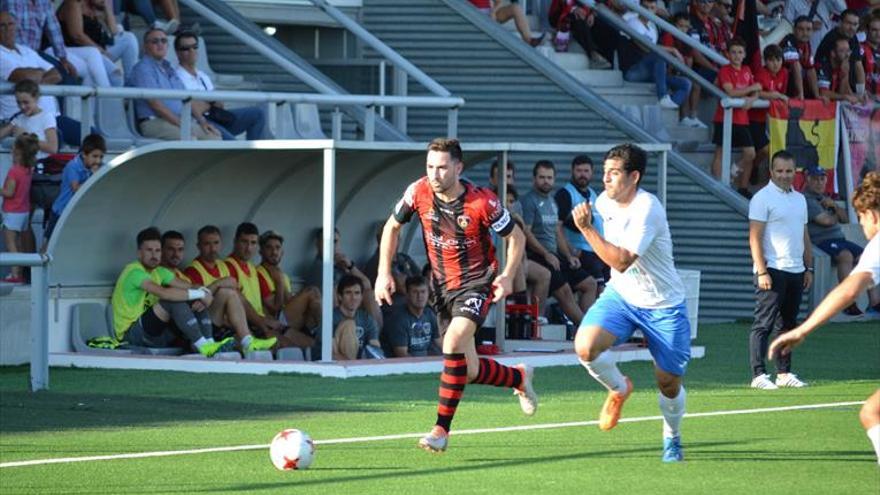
769 82
667 39
739 78
795 51
829 76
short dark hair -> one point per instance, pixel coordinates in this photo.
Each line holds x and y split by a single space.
803 18
447 145
737 41
851 12
207 229
580 160
348 281
27 86
493 169
318 233
783 155
181 35
93 142
681 16
246 228
772 51
837 37
150 31
270 235
415 281
543 164
633 157
171 235
148 234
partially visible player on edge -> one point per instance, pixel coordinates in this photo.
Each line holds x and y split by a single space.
456 218
865 275
645 291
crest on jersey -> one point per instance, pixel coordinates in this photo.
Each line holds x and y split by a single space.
463 221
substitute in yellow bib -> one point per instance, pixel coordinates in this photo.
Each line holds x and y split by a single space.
244 248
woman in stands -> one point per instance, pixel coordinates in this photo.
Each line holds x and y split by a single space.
864 276
90 23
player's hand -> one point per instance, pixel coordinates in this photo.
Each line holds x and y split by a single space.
552 260
574 262
502 287
765 282
786 342
209 297
808 279
272 324
198 306
582 215
385 288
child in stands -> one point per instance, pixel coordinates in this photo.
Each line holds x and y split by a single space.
16 193
32 119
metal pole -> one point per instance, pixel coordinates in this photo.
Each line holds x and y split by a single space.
849 181
452 122
327 250
501 252
85 117
186 121
370 124
39 329
661 179
726 146
382 86
400 82
336 130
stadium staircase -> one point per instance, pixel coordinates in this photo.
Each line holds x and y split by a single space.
515 93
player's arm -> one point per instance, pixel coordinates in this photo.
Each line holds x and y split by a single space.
387 247
173 293
616 257
565 249
812 80
808 259
502 286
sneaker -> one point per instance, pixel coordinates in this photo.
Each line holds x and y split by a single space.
171 27
208 350
672 450
542 320
560 42
528 399
435 441
261 344
598 62
693 122
666 102
789 380
853 310
535 41
763 382
613 405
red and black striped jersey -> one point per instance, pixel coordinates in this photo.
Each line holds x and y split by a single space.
457 235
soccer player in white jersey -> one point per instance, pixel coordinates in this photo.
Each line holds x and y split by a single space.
864 276
645 291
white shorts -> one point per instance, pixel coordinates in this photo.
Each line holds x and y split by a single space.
16 221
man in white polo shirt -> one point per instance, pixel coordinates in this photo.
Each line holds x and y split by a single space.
783 267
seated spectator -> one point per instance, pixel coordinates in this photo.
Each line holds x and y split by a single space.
639 64
834 73
342 266
871 57
16 193
144 9
160 119
821 13
578 191
737 81
90 23
606 35
501 13
226 311
546 245
798 55
825 217
244 248
230 122
76 173
32 119
687 111
773 78
712 32
412 330
301 312
846 29
151 306
353 327
402 267
571 18
514 207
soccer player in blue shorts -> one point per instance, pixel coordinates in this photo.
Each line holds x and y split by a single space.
644 292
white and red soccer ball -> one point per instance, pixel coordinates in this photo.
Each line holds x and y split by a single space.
292 449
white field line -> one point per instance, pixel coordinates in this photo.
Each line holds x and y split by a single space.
166 453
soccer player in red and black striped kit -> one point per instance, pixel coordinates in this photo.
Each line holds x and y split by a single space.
456 218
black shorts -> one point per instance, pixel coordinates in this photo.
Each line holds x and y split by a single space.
149 331
595 267
470 302
758 131
565 275
740 136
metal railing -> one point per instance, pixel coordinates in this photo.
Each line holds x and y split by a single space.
337 101
39 375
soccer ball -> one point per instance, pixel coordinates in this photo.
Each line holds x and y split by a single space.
292 449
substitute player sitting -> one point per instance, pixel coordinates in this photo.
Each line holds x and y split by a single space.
456 219
644 292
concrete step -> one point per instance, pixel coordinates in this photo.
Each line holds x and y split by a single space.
567 60
598 79
534 24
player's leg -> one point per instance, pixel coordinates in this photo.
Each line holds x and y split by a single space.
345 341
606 323
299 312
870 418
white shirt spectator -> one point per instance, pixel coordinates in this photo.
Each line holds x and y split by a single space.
198 82
22 57
785 216
870 260
641 228
646 32
36 124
